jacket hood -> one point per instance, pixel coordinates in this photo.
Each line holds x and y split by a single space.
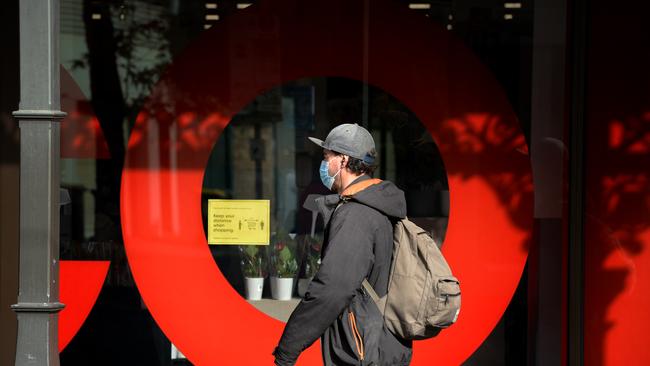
383 196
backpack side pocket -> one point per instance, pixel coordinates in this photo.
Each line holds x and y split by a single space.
444 309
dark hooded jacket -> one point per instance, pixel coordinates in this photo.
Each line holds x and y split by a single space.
358 244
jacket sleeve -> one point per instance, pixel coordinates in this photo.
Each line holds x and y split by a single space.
347 260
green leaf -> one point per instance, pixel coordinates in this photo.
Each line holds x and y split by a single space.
251 250
285 254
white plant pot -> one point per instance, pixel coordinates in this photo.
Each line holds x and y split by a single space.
281 288
303 284
254 288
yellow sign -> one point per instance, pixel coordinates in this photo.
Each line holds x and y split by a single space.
239 222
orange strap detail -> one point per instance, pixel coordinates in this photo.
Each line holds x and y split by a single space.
358 187
357 336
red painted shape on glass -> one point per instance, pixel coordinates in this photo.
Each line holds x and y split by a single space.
617 186
80 284
271 43
81 134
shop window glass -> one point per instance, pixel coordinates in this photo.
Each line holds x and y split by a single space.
264 153
115 53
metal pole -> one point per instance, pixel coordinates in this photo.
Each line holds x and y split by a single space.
39 120
547 303
579 33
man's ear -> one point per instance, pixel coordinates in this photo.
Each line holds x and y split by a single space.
344 161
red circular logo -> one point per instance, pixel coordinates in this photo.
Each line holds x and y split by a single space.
268 44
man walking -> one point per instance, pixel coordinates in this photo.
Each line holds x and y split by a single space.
358 245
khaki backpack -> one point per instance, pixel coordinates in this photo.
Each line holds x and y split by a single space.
423 296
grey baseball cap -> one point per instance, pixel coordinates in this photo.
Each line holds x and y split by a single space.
349 139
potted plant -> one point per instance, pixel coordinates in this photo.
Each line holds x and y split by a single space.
253 266
311 258
284 267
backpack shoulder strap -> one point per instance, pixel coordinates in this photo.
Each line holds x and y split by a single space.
370 290
379 301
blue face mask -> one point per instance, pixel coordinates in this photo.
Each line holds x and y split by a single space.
325 175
